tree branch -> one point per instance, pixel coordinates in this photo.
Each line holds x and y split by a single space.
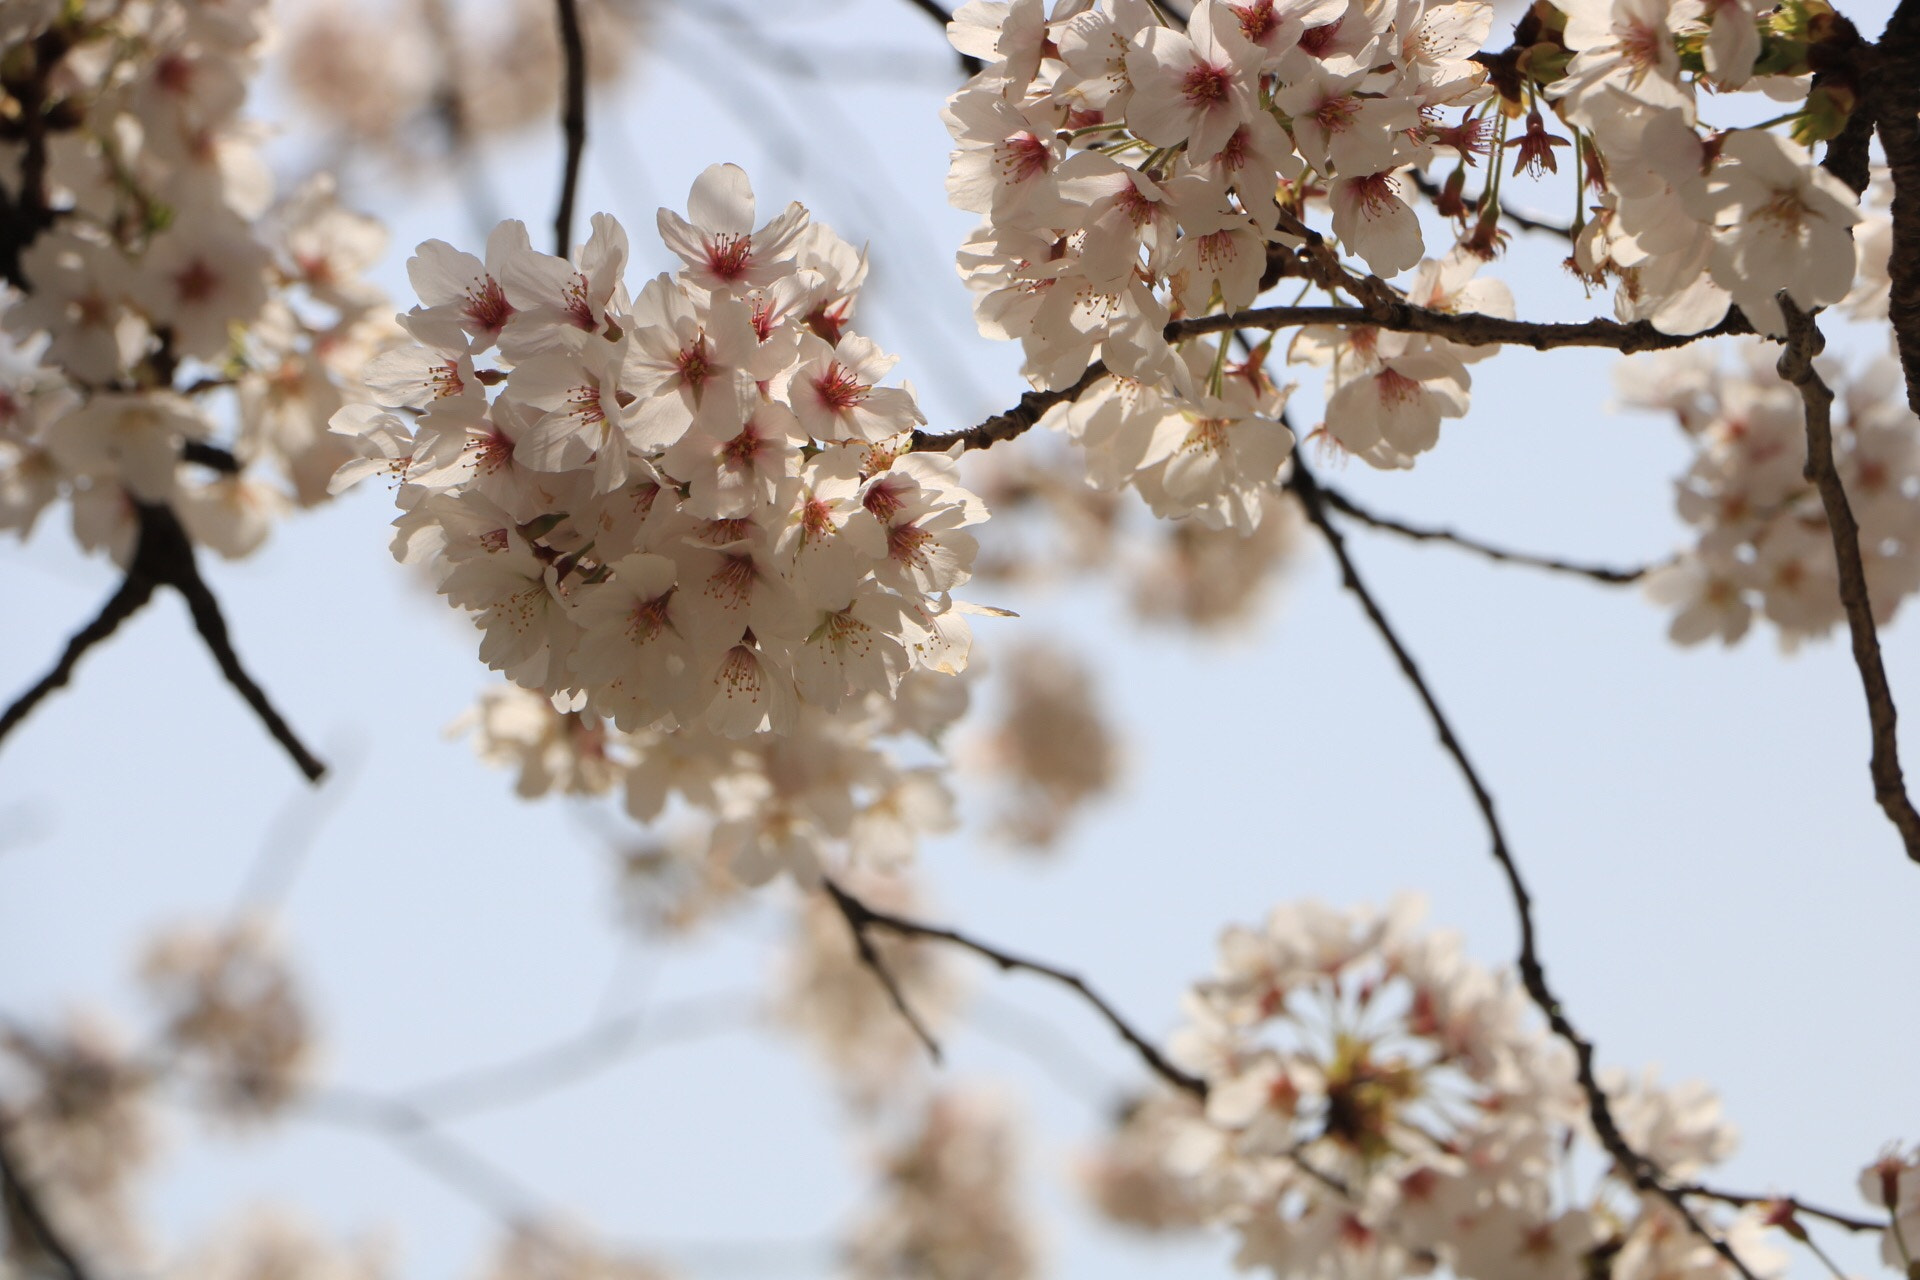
1015 421
163 556
21 1200
969 65
1599 573
1641 1171
1469 328
1804 341
858 918
573 119
861 917
1893 90
1797 1206
1427 187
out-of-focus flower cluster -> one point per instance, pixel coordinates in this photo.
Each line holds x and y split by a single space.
1764 544
692 514
1377 1104
1132 171
949 1206
76 1103
155 273
416 79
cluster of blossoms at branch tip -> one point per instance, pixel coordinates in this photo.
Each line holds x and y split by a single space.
1378 1104
692 517
149 272
1133 172
1763 541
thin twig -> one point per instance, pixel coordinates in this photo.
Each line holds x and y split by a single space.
1640 1170
134 591
1796 366
1599 573
858 918
1797 1206
23 1199
1015 421
1432 191
163 556
573 119
861 917
573 1058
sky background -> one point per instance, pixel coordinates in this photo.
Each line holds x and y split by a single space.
1716 892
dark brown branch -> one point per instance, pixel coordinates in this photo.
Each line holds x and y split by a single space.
211 456
134 591
1599 573
858 919
1015 421
969 65
163 556
1794 1205
20 1203
1796 366
573 119
1637 1168
1893 95
1468 328
861 917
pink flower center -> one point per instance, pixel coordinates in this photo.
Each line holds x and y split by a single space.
649 618
1395 387
1023 157
1257 20
487 307
693 366
729 255
838 389
1206 85
1317 40
196 282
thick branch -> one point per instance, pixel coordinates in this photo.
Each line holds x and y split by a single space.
861 917
1893 92
1641 1171
1468 328
21 1200
573 119
163 556
1599 573
1796 366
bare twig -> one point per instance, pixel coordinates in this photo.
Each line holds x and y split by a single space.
1796 366
1797 1206
1599 573
1641 1171
969 65
1015 421
858 918
163 556
572 1058
1431 190
573 119
20 1202
861 917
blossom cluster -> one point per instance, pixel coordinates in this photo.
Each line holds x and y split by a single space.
1763 542
155 272
1133 173
694 512
1378 1104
